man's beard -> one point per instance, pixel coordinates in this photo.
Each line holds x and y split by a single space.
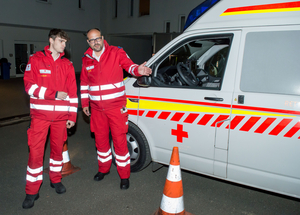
97 49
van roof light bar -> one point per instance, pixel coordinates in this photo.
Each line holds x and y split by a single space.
199 11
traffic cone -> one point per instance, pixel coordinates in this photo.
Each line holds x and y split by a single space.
67 168
172 199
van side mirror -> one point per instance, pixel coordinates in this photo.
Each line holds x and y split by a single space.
144 81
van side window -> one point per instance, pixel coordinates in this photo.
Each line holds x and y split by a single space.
198 63
271 63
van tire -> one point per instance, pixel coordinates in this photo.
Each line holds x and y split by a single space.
138 148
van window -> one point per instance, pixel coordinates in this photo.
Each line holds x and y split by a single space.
271 63
197 63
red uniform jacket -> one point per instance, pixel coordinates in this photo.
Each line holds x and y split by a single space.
42 79
102 82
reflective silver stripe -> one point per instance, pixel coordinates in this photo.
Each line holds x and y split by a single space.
55 168
34 179
61 108
84 95
33 97
32 89
42 92
55 162
66 157
84 87
123 164
103 160
112 86
104 154
113 95
95 98
74 100
122 157
42 107
131 68
94 88
73 109
35 171
172 205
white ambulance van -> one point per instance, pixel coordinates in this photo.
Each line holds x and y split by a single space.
227 93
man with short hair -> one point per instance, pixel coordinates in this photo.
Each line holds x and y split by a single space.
103 89
50 82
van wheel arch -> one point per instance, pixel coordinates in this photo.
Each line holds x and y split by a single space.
138 148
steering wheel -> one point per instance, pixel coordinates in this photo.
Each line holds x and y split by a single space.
187 74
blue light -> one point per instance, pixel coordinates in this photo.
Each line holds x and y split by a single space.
199 11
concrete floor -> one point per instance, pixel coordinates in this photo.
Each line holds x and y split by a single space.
202 195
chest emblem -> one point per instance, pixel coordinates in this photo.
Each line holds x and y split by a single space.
90 68
45 71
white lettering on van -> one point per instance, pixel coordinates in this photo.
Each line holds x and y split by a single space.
293 104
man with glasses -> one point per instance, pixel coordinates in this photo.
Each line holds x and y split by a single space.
102 89
50 82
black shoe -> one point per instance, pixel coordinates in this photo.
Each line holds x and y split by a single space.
59 187
29 201
99 176
124 184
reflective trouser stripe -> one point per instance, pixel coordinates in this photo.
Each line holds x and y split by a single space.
34 179
123 164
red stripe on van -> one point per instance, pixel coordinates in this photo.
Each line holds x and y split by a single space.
220 118
236 120
141 112
261 129
265 109
151 114
280 127
191 118
132 112
293 130
164 115
265 7
182 101
250 123
205 119
177 117
269 110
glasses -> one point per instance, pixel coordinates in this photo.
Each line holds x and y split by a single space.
98 39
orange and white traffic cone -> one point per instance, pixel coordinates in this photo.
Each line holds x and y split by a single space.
67 168
172 200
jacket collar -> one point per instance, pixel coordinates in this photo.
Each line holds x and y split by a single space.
47 52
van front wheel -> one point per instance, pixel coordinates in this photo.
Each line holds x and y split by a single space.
138 148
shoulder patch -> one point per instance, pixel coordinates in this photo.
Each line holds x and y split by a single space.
28 67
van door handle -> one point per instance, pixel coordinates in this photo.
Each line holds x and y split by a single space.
214 99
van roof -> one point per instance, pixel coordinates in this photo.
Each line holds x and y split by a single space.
244 13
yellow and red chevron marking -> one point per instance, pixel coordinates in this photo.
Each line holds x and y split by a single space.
202 113
266 8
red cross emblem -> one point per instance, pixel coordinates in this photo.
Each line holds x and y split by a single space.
179 133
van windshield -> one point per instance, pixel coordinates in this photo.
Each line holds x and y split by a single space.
197 63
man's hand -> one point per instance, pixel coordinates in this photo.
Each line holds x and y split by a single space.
61 95
70 124
143 70
86 110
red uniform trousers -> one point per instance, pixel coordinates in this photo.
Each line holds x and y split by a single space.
37 135
115 120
